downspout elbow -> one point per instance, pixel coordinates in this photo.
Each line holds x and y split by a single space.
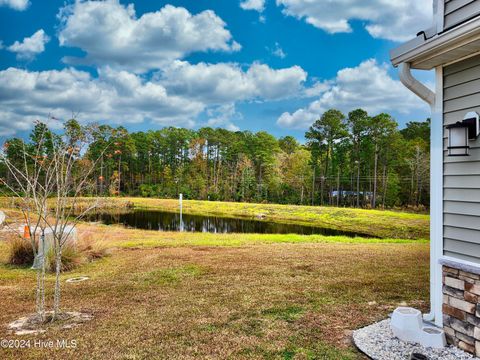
415 86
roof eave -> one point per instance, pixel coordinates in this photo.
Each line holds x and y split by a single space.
463 40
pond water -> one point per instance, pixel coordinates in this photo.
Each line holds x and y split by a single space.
167 221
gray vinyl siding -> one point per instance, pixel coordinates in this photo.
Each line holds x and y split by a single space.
461 175
457 11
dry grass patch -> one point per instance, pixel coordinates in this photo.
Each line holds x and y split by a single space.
262 301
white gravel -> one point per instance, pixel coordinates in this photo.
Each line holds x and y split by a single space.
378 342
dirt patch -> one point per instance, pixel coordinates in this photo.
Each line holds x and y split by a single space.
34 324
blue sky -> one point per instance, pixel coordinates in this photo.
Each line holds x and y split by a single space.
272 65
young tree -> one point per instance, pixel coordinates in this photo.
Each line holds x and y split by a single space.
31 183
47 183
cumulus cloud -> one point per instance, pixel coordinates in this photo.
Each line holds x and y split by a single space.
227 82
116 96
30 46
223 116
15 4
110 33
316 89
396 20
367 86
175 97
257 5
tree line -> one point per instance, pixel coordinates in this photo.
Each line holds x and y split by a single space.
353 160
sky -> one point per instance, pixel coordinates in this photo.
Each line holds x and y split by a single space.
273 65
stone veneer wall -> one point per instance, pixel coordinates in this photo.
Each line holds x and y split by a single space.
461 309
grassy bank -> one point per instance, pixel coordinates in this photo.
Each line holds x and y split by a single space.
385 224
117 236
176 295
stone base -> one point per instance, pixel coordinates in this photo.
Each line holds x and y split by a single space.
378 342
461 309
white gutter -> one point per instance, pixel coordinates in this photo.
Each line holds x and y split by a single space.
416 86
417 51
434 100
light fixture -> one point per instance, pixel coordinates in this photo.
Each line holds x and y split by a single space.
460 133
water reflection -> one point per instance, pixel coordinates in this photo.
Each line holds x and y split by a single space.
167 221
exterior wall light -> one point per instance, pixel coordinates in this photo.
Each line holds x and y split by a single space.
460 133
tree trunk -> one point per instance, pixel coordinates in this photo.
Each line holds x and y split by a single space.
313 187
301 194
119 165
338 186
412 187
358 184
374 200
385 184
40 292
56 297
102 181
322 180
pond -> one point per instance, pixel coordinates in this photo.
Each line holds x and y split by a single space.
168 221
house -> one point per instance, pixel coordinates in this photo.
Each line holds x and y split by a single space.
344 193
451 47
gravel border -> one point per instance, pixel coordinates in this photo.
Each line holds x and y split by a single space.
378 342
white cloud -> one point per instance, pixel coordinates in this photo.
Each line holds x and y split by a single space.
110 33
226 82
30 46
15 4
223 116
257 5
397 20
175 97
316 89
367 86
116 96
278 51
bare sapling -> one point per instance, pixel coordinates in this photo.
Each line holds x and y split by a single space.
46 177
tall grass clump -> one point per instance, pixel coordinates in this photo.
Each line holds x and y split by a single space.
91 247
71 258
20 252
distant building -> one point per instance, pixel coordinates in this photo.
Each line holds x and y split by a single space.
345 194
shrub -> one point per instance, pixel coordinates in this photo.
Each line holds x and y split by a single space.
20 252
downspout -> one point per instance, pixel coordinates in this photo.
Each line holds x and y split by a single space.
428 96
416 86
